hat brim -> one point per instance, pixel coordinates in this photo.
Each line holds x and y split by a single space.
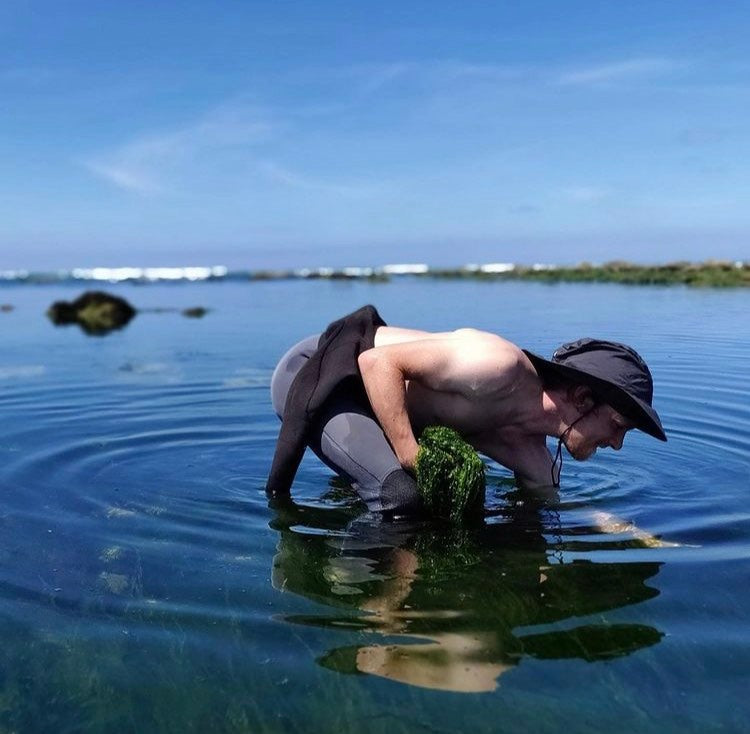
640 412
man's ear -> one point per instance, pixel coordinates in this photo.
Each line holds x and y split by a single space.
582 398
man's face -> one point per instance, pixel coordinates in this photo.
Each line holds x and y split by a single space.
600 428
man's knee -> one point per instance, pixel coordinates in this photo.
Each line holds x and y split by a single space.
399 495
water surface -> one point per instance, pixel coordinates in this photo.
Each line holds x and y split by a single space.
147 585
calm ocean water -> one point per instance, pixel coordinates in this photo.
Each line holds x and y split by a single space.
147 586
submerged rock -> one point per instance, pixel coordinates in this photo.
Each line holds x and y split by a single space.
96 312
196 312
6 307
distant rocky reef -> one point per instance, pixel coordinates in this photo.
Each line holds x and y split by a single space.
711 273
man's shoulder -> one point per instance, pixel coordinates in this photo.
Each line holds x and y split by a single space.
493 366
487 345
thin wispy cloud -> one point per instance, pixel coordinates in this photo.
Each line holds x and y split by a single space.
230 139
144 165
375 78
294 179
126 173
455 69
436 73
619 71
425 75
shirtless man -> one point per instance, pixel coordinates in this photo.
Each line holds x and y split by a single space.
503 400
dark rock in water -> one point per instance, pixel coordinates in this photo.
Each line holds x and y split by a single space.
95 312
6 307
197 312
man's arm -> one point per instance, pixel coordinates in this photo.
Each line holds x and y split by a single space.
384 378
529 459
534 485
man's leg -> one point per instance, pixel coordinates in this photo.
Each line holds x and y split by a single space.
350 441
287 369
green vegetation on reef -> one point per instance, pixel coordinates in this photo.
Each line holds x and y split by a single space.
450 475
711 273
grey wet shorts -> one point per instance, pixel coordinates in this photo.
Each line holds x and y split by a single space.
348 439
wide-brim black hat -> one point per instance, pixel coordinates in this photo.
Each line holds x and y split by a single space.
615 373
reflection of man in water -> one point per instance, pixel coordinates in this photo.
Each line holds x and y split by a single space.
461 600
361 394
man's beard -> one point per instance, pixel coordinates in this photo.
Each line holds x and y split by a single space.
581 451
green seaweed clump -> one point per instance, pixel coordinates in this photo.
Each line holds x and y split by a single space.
450 475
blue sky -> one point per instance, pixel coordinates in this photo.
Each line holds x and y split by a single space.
352 133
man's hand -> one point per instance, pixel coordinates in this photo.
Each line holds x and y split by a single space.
408 460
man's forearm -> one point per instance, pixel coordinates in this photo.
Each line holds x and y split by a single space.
386 390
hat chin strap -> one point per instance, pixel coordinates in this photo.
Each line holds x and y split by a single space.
558 454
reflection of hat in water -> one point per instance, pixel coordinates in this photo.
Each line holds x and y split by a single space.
615 373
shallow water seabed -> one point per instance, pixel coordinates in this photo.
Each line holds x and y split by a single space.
146 585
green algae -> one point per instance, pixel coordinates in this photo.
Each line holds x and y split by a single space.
450 475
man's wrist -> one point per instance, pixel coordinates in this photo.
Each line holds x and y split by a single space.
408 457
